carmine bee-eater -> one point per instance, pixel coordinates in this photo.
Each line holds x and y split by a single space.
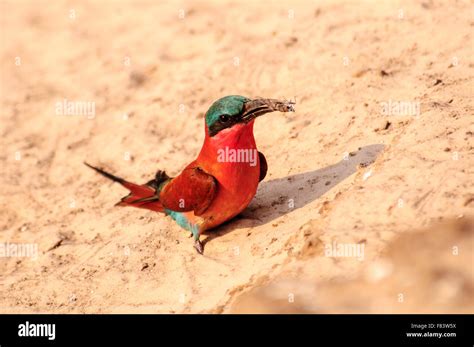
222 181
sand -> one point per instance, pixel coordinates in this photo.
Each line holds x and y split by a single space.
378 155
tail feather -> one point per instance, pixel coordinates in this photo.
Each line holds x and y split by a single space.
142 196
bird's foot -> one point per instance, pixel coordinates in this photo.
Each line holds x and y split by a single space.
199 247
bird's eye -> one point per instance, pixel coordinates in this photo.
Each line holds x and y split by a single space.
223 118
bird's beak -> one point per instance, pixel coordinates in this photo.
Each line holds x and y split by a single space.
257 107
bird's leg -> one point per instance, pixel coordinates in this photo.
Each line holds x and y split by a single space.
199 247
197 243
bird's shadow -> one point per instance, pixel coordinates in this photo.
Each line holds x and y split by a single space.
280 196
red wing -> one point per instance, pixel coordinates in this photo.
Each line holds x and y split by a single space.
192 190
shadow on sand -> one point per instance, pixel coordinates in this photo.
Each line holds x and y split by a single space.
280 196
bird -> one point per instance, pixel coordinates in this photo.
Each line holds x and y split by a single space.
222 181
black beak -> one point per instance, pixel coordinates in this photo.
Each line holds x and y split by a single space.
258 107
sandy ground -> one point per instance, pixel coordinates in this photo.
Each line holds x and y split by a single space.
342 170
